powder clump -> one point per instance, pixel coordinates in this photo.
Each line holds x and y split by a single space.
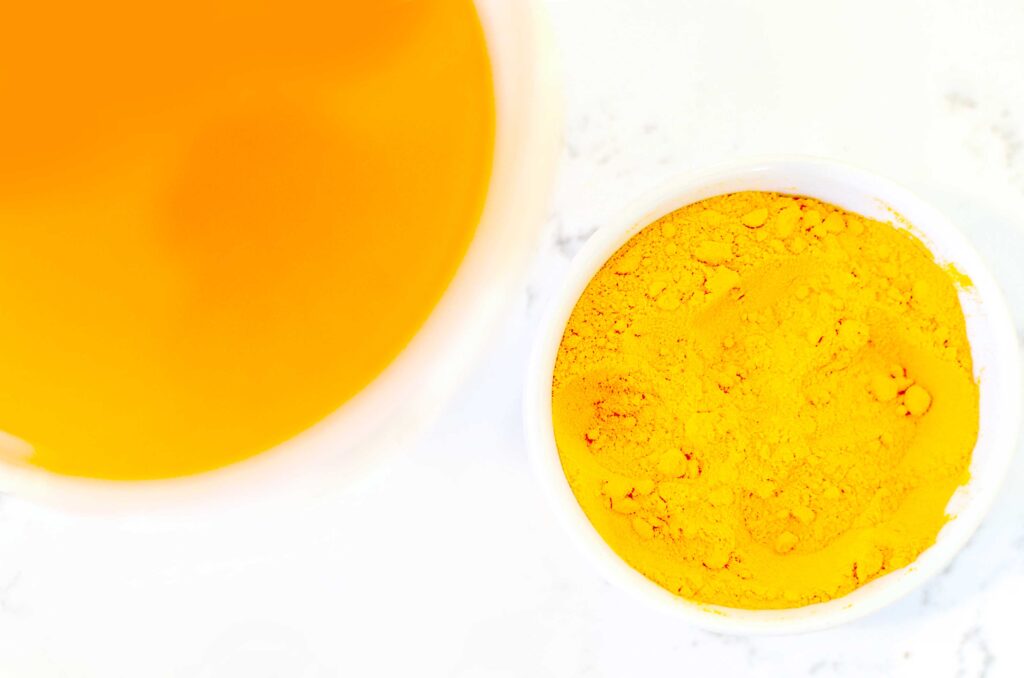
776 413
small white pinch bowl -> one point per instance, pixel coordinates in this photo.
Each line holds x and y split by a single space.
993 349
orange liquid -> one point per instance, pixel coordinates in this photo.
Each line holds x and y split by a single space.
219 221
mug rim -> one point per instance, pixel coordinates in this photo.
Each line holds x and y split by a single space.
348 447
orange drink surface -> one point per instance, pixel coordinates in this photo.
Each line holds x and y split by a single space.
220 220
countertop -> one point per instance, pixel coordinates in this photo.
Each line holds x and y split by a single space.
448 563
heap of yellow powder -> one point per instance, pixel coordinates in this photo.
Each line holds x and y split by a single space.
764 401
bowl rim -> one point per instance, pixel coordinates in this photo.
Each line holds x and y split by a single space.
692 187
376 424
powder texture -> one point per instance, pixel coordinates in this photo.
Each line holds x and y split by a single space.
764 401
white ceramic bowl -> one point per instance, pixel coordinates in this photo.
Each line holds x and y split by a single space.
993 348
383 418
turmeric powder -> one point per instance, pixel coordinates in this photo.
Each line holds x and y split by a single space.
765 401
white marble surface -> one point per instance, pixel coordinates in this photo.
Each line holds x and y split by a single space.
449 564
